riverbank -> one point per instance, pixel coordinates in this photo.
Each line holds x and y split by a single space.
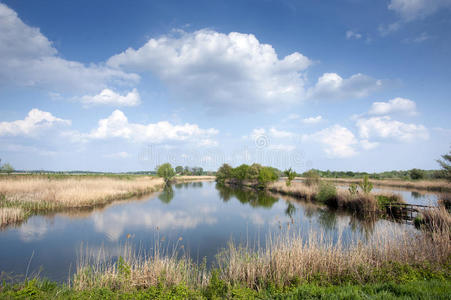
414 289
22 196
429 185
390 264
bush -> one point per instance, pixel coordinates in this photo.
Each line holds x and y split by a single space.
266 175
311 177
416 174
166 171
366 185
327 193
290 176
223 173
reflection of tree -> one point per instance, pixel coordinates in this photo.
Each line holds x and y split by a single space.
327 218
197 184
290 210
167 194
416 195
254 198
309 211
364 225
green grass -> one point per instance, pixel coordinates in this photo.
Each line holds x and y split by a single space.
418 289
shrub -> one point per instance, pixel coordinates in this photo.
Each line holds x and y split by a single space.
290 176
366 185
353 189
327 193
223 173
266 175
416 174
311 177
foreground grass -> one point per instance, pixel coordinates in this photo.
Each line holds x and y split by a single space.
21 196
217 289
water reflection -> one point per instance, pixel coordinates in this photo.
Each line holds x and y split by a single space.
167 194
246 196
206 215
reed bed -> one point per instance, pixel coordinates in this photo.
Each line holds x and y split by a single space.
436 219
132 269
431 185
287 258
361 203
194 178
11 215
296 189
21 196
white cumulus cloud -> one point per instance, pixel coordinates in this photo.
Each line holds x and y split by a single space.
410 10
386 128
395 105
338 141
36 121
312 120
333 86
109 97
353 35
28 58
118 126
218 68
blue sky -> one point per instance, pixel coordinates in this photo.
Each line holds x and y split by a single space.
126 85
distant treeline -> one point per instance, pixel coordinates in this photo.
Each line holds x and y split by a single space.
402 174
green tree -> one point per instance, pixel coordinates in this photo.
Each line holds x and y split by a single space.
416 174
290 176
223 173
166 171
446 166
7 168
266 175
241 172
179 169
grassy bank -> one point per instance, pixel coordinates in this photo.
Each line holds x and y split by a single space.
21 196
337 198
415 289
430 185
391 264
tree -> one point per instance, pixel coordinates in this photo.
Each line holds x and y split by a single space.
223 173
179 169
416 174
446 166
166 171
266 175
290 176
7 168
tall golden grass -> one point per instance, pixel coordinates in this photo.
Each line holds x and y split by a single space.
194 178
21 196
433 185
361 202
287 257
33 192
11 215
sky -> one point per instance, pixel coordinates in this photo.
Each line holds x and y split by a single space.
127 85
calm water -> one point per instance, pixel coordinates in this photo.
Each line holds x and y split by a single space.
204 215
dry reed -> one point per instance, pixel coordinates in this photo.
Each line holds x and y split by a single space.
21 196
10 215
432 185
286 258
